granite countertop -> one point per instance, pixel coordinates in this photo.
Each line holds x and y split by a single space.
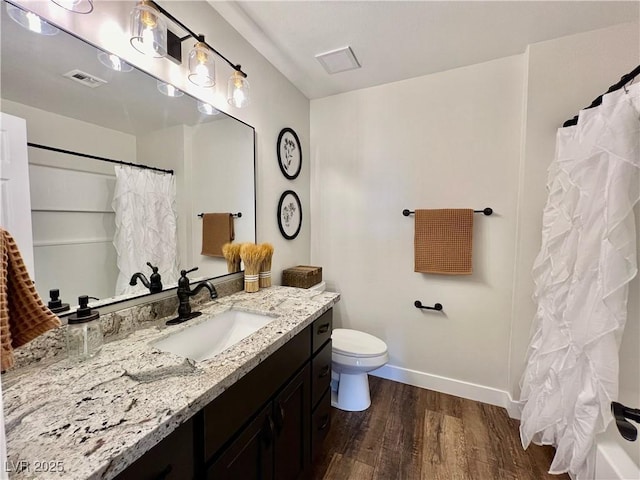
93 419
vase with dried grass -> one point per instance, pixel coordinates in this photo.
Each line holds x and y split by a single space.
251 255
265 268
231 253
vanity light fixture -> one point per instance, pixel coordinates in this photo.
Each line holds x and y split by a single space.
207 108
202 70
113 62
168 89
76 6
238 90
30 21
148 30
148 16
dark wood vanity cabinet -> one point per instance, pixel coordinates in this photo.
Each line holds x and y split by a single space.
280 439
170 459
267 425
276 443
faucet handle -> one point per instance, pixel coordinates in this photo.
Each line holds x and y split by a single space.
155 269
183 273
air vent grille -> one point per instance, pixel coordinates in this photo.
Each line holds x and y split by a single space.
339 60
85 78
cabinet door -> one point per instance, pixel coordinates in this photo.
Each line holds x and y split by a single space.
250 456
172 458
291 413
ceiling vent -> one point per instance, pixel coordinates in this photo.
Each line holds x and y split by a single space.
339 60
85 79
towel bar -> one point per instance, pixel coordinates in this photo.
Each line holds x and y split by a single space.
234 215
418 304
487 211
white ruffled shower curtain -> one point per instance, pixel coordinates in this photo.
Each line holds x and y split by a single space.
144 202
587 259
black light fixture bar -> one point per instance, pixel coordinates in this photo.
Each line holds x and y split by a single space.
199 38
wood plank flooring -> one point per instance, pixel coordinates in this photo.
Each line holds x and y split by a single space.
410 433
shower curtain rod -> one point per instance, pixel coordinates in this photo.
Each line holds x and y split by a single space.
102 159
617 86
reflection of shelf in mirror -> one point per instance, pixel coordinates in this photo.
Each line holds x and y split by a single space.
78 210
82 241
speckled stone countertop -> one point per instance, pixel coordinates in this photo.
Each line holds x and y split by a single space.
92 419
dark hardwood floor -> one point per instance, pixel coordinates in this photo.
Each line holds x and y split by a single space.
411 433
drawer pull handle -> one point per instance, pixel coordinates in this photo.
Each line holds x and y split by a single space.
279 420
325 422
268 430
325 371
324 328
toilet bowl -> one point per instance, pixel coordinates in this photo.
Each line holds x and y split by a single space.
353 355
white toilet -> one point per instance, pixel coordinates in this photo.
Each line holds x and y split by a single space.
354 354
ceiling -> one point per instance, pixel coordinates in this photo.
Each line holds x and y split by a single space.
396 40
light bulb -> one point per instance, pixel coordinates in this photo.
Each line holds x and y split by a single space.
168 89
201 66
30 21
148 30
238 90
207 109
76 6
113 62
35 24
148 41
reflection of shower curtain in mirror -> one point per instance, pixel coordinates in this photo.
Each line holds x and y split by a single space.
144 202
586 261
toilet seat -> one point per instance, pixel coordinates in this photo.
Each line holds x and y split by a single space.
353 343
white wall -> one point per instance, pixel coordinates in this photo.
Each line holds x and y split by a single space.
564 75
448 140
167 148
276 103
472 137
222 161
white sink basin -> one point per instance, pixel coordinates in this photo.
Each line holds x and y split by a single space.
214 335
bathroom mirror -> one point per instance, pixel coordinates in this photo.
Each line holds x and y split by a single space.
72 102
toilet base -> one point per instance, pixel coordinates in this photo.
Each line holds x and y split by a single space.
353 393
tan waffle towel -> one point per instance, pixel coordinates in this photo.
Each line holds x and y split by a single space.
443 241
23 315
217 229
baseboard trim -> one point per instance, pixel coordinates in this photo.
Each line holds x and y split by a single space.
471 391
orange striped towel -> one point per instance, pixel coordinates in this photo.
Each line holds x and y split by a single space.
23 315
443 241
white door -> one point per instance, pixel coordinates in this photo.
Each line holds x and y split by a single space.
15 201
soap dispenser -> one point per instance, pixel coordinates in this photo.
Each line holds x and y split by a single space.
55 304
84 333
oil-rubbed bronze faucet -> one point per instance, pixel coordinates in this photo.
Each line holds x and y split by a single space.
154 284
184 293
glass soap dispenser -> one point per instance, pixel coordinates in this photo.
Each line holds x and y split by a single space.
84 333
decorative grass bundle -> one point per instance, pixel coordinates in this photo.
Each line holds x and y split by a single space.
265 268
231 252
251 255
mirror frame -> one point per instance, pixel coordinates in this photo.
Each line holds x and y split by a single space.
112 304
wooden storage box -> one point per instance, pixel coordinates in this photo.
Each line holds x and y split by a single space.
302 276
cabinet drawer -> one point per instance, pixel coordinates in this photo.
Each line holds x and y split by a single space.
321 330
320 423
320 373
172 458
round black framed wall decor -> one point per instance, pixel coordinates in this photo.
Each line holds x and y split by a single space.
289 153
289 214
